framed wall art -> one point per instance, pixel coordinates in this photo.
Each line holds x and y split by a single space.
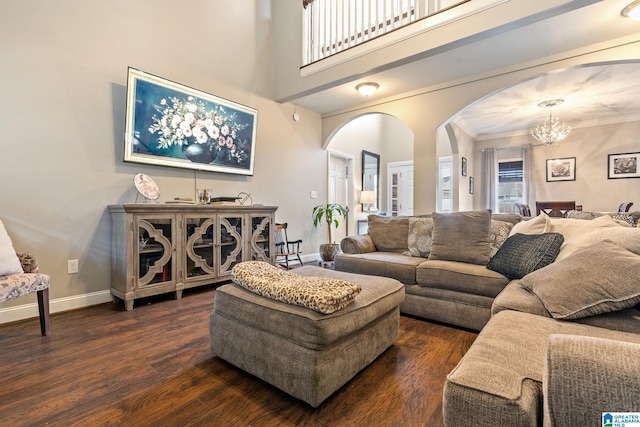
471 185
561 169
464 166
624 165
171 124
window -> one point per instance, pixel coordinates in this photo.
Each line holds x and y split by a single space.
510 184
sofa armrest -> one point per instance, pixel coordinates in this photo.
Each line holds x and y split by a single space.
29 263
586 376
360 244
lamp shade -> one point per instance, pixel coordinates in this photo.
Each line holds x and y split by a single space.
367 196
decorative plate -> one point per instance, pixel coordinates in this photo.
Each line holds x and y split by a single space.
146 186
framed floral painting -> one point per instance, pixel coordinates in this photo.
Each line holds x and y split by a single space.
174 125
624 165
561 169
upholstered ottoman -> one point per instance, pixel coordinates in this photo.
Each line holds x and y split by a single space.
307 354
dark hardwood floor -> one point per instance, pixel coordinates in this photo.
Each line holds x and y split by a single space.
152 366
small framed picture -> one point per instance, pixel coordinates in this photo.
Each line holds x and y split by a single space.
464 166
561 169
470 185
624 165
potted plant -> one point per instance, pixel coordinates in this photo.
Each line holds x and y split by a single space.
328 213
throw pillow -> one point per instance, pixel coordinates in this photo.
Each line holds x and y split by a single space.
521 254
9 262
461 236
389 233
598 279
498 234
625 237
537 225
419 240
570 228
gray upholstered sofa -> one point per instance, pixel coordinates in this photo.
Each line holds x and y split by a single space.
562 347
444 289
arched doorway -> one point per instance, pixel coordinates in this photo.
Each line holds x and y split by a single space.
381 134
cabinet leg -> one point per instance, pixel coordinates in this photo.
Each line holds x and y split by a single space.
128 305
179 294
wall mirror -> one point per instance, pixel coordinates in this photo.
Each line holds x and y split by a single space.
371 178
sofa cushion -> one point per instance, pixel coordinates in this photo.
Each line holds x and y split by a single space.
389 233
499 380
523 253
630 218
626 237
516 297
9 262
598 279
385 264
498 234
419 240
460 277
571 228
461 236
536 225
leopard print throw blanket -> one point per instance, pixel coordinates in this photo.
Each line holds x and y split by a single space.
321 294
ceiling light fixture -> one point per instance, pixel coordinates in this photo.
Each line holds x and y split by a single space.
552 130
368 88
632 10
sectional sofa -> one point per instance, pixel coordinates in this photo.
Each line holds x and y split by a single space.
452 285
561 345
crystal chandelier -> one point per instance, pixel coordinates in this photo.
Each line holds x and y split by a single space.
553 130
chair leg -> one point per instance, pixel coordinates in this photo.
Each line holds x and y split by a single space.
43 308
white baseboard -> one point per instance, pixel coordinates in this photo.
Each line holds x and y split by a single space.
27 311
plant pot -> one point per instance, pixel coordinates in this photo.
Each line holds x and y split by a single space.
328 251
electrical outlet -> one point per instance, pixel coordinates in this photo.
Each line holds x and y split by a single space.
72 266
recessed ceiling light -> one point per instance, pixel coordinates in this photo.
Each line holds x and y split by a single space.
368 88
632 10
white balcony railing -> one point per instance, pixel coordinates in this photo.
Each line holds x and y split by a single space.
331 26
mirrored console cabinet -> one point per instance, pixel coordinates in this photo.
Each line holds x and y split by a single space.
158 249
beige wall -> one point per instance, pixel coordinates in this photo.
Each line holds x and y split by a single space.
427 109
381 134
64 67
590 146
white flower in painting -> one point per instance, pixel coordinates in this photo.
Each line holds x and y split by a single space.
218 120
175 121
163 101
201 137
208 123
222 141
186 129
189 118
214 132
234 134
224 130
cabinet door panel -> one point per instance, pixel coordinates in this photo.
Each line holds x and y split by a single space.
200 247
230 243
155 250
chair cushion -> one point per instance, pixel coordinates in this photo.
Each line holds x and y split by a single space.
9 262
17 285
